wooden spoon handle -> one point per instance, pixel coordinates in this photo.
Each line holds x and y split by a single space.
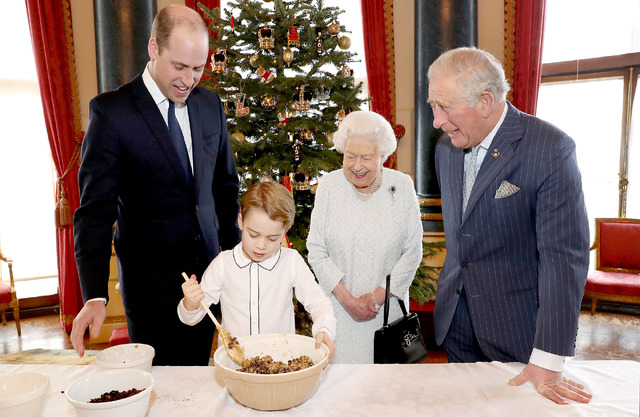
206 308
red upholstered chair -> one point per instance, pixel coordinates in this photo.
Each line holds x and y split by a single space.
8 298
617 273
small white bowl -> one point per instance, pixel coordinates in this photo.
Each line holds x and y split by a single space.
80 392
131 355
276 391
23 394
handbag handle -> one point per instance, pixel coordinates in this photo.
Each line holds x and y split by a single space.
386 303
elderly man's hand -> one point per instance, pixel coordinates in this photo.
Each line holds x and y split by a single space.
552 384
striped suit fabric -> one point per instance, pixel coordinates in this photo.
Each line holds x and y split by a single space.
522 260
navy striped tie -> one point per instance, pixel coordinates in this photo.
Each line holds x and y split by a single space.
178 140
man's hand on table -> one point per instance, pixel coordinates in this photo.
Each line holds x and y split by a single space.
93 313
552 384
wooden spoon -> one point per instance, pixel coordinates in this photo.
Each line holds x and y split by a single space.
233 348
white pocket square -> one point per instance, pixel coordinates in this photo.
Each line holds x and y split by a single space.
506 189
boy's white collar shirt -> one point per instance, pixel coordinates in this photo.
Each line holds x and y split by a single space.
257 298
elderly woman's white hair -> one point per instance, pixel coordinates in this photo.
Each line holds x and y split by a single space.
369 125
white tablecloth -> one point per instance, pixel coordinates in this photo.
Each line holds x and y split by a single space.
430 390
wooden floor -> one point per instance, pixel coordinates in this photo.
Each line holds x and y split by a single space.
612 333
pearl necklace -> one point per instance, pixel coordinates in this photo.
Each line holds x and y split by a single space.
367 196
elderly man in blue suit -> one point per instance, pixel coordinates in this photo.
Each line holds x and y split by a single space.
515 224
157 162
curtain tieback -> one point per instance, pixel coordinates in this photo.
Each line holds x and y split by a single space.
62 211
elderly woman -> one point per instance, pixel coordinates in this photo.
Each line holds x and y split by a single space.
365 225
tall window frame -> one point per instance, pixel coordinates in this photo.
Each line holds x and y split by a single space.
625 66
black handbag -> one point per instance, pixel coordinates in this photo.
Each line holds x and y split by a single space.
400 341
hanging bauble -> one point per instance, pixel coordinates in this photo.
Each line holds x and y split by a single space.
287 56
293 39
253 61
269 103
239 136
344 42
329 137
266 37
219 61
306 136
333 28
313 188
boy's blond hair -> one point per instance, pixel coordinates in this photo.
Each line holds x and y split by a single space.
271 197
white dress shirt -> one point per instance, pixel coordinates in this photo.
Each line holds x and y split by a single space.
182 111
257 298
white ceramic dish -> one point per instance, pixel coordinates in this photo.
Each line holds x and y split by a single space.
131 355
278 391
80 392
23 394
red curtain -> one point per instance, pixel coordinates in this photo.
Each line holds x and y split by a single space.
51 36
524 28
377 25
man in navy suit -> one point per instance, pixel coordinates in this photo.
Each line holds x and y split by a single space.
171 214
515 224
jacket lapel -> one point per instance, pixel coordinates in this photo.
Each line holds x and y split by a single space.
149 111
509 133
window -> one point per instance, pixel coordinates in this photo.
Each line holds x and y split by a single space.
27 229
589 78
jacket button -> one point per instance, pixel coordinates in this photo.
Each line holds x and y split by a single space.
196 207
458 291
464 265
197 238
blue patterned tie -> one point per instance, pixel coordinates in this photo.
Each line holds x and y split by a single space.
470 173
178 140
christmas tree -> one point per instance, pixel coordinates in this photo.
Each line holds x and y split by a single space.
281 69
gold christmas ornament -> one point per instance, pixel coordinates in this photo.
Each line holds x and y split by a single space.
269 103
313 188
333 28
253 61
219 61
301 99
266 38
239 136
306 136
287 56
301 181
329 138
344 42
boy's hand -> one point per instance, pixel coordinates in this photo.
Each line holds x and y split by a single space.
192 294
322 337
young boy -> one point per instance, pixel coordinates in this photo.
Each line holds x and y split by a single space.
254 281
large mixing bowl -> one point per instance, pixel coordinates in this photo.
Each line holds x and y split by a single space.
277 391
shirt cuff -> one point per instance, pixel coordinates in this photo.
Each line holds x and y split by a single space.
103 299
547 360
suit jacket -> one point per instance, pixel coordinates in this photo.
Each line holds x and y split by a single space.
522 259
130 173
